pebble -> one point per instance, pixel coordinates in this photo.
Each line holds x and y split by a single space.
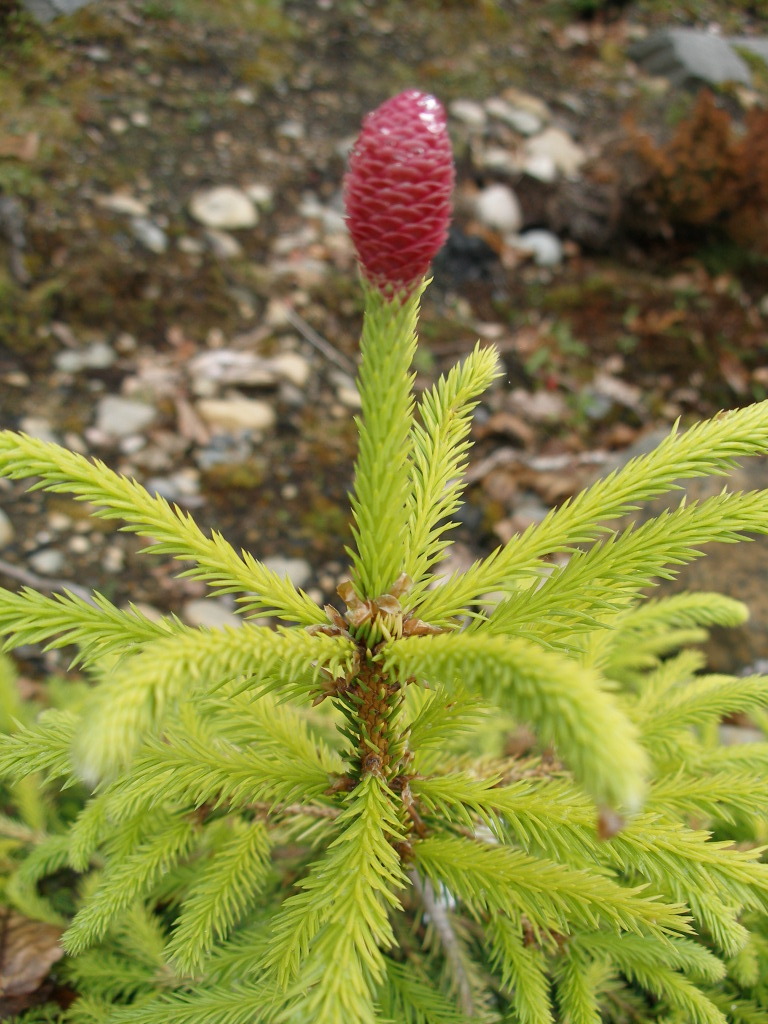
223 245
211 612
523 121
541 167
179 487
558 145
120 202
97 356
525 101
244 95
499 160
292 367
260 194
118 417
236 413
223 207
469 113
37 426
47 562
149 235
6 530
545 247
497 207
298 570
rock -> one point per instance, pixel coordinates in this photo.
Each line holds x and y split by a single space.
6 530
559 147
541 167
223 207
689 56
235 414
292 367
149 235
47 561
46 10
98 356
497 207
224 245
545 247
469 113
524 122
118 417
525 101
121 202
39 427
210 612
298 570
260 194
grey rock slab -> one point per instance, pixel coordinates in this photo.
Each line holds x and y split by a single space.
298 570
6 530
688 56
46 10
118 417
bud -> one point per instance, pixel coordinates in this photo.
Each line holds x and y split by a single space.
398 190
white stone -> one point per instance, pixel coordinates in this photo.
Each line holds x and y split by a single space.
236 413
223 207
545 247
558 145
468 112
121 202
39 427
140 119
500 160
523 121
497 207
292 367
6 530
224 245
525 101
261 194
298 570
118 417
244 95
209 612
149 235
47 562
98 356
541 167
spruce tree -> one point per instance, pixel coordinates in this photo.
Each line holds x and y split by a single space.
318 822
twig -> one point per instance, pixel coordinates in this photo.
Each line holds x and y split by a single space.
438 915
323 346
309 810
30 579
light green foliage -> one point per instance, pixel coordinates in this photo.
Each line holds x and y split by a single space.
325 821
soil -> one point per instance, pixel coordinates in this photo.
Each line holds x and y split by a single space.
157 99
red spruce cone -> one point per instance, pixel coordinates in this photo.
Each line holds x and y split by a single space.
398 190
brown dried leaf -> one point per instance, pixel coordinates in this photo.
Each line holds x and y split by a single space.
28 950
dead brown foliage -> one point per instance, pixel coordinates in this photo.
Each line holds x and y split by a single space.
711 174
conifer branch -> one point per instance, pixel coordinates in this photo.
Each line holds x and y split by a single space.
553 896
706 449
131 704
439 447
98 629
174 532
380 500
565 705
226 888
613 572
128 879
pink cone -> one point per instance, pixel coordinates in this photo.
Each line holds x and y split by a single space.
398 190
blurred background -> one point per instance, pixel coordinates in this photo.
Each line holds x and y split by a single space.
178 294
